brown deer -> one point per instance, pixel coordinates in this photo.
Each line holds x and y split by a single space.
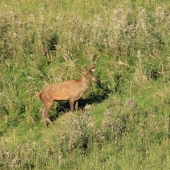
70 90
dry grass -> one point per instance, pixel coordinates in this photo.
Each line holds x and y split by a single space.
127 126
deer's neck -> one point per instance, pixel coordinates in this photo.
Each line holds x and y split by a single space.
85 83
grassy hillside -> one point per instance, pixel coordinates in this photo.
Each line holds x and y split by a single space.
123 121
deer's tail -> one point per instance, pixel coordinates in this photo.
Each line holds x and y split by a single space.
39 95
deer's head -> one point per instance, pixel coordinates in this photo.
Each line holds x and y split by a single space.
87 72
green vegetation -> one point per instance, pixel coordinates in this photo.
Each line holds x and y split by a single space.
128 123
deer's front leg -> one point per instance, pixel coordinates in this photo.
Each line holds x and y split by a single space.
71 105
76 105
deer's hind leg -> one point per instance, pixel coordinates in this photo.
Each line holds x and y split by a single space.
46 112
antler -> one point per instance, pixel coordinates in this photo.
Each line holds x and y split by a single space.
68 60
94 64
66 57
90 54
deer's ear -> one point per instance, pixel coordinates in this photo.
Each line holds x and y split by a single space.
93 69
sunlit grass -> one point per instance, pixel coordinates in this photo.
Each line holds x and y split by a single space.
127 123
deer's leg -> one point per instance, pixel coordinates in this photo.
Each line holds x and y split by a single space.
43 115
46 112
76 105
71 105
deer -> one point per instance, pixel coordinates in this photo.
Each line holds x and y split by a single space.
70 90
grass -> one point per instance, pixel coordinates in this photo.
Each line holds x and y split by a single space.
127 125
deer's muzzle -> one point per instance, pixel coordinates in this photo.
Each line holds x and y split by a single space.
93 78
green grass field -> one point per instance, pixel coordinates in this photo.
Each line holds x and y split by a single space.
127 125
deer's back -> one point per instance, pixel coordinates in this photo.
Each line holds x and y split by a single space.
71 89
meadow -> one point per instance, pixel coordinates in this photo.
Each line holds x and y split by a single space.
123 121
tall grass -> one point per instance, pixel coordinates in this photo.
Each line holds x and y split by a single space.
127 125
